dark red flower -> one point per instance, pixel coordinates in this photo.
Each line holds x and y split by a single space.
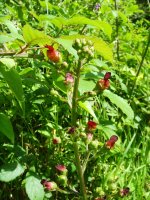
111 142
91 125
52 54
107 75
103 84
71 130
56 140
124 191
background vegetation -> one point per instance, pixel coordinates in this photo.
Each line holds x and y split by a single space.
36 104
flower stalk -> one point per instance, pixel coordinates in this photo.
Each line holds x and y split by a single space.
73 124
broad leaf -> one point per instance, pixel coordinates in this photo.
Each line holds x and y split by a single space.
14 81
11 171
6 127
120 103
34 189
32 36
88 107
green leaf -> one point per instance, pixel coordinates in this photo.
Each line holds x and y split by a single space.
6 127
32 36
14 81
6 38
67 44
120 103
11 171
34 189
96 23
81 20
8 62
100 46
88 107
85 85
13 30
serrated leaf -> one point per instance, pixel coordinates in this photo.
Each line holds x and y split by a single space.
97 23
88 107
100 46
34 189
32 36
78 19
6 127
11 171
120 103
14 81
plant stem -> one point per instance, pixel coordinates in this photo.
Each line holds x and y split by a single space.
73 123
141 63
117 32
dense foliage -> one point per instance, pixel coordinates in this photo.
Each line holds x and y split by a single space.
74 98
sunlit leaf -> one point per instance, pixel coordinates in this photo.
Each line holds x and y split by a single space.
11 171
88 107
34 189
120 103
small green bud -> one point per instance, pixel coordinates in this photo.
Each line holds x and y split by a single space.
62 180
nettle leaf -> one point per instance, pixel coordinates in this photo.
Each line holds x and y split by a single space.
61 21
120 103
32 36
10 171
34 189
88 107
100 46
6 127
105 27
13 79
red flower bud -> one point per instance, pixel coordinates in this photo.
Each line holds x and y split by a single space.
52 54
61 168
107 75
50 185
91 125
111 142
124 191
